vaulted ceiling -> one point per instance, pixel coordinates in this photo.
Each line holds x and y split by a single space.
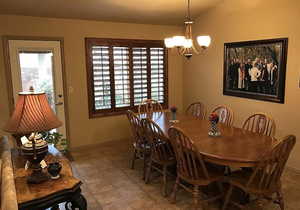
136 11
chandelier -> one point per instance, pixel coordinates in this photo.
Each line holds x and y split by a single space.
185 44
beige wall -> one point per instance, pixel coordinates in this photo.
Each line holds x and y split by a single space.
240 20
84 131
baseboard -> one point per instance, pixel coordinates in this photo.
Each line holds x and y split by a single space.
296 170
91 146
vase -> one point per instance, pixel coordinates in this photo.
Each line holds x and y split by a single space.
173 115
54 170
214 131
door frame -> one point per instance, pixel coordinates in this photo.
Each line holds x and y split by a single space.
9 83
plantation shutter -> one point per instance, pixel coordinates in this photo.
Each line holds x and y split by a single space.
122 73
101 77
121 76
157 74
140 80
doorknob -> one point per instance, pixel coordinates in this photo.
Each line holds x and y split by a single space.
59 103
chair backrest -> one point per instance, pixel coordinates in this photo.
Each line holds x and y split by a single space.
190 163
159 143
268 172
149 106
225 114
196 109
260 123
136 127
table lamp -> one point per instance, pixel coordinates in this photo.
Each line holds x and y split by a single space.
32 114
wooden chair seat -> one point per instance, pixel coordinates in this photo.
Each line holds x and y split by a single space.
169 161
240 179
141 149
215 174
161 155
265 178
143 146
192 170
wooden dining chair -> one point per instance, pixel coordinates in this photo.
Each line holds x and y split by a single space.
260 123
191 168
162 155
148 106
264 180
141 148
225 114
196 109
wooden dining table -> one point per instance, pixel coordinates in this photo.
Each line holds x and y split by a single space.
235 147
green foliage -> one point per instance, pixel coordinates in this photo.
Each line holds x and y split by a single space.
57 140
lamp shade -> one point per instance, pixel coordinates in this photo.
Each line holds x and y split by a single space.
32 114
204 41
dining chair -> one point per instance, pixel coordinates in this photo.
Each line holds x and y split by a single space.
149 106
225 114
260 123
141 148
192 169
196 109
162 156
264 181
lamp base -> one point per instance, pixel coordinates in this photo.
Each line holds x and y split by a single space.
37 176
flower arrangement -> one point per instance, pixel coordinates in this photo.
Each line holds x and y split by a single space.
214 117
173 109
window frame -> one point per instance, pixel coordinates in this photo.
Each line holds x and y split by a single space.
130 43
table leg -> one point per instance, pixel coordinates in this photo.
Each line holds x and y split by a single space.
79 201
55 207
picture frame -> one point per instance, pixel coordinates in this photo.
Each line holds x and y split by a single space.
256 69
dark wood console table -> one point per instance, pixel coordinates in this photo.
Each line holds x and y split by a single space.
50 193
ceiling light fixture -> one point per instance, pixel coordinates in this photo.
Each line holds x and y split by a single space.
185 44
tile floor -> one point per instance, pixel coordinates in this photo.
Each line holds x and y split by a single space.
109 183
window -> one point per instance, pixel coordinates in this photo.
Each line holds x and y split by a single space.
122 73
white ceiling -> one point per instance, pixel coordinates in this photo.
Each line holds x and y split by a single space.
136 11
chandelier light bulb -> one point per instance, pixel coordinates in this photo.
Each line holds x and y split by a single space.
204 41
178 41
169 42
188 43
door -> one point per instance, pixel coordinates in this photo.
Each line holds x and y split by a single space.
39 64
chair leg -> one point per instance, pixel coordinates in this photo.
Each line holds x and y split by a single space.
175 188
145 166
227 198
164 181
196 197
149 170
280 199
133 159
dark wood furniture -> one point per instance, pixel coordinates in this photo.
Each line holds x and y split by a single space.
260 123
235 147
149 106
225 114
196 109
192 169
161 156
264 180
141 148
50 193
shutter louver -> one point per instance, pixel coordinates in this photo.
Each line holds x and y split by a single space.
157 74
101 77
121 74
139 66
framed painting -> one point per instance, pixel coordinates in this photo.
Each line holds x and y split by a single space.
256 69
